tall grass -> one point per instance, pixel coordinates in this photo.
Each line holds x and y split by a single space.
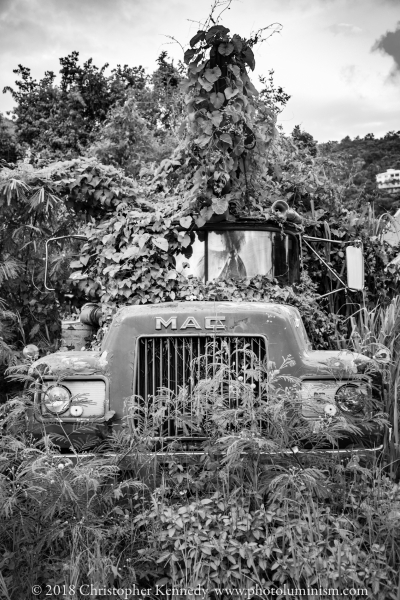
253 510
376 333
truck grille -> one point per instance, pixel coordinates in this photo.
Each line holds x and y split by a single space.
175 364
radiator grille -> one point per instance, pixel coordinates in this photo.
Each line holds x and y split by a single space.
176 364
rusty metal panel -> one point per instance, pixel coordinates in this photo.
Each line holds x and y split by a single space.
75 335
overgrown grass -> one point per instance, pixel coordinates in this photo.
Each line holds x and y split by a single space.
377 333
252 510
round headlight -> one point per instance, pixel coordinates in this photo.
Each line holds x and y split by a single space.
31 352
57 399
350 398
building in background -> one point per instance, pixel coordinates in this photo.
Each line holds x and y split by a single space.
389 181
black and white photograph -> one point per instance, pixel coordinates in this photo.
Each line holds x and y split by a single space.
199 299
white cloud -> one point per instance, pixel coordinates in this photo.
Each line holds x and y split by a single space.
344 29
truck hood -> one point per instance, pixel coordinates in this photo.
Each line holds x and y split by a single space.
73 363
335 362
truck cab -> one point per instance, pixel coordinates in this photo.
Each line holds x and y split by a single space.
166 350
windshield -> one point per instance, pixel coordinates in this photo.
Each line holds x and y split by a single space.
237 254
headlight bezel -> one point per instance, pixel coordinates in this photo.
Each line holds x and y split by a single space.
317 393
95 389
66 403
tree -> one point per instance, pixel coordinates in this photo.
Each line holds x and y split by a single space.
304 140
59 120
8 148
145 127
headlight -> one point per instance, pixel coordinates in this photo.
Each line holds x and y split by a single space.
321 398
350 398
31 352
57 399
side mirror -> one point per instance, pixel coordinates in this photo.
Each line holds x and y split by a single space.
355 268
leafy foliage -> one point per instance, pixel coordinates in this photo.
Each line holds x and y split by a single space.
8 146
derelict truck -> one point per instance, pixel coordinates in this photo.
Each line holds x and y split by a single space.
171 345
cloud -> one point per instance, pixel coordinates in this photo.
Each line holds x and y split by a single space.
337 117
348 74
344 29
389 43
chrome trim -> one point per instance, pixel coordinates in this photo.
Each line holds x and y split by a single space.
53 420
348 452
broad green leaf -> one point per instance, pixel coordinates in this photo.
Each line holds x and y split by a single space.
251 89
230 93
226 48
237 42
129 252
212 74
217 99
109 415
185 222
203 140
235 70
199 37
143 239
189 54
193 68
220 205
216 29
205 84
75 264
216 118
207 127
249 58
186 84
161 243
200 221
225 137
185 241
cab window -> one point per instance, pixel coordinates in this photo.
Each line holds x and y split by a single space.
241 254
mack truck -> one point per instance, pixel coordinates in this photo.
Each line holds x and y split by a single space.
169 346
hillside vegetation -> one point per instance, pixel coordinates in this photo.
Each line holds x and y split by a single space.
361 160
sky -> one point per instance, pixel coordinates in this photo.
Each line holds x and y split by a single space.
338 59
